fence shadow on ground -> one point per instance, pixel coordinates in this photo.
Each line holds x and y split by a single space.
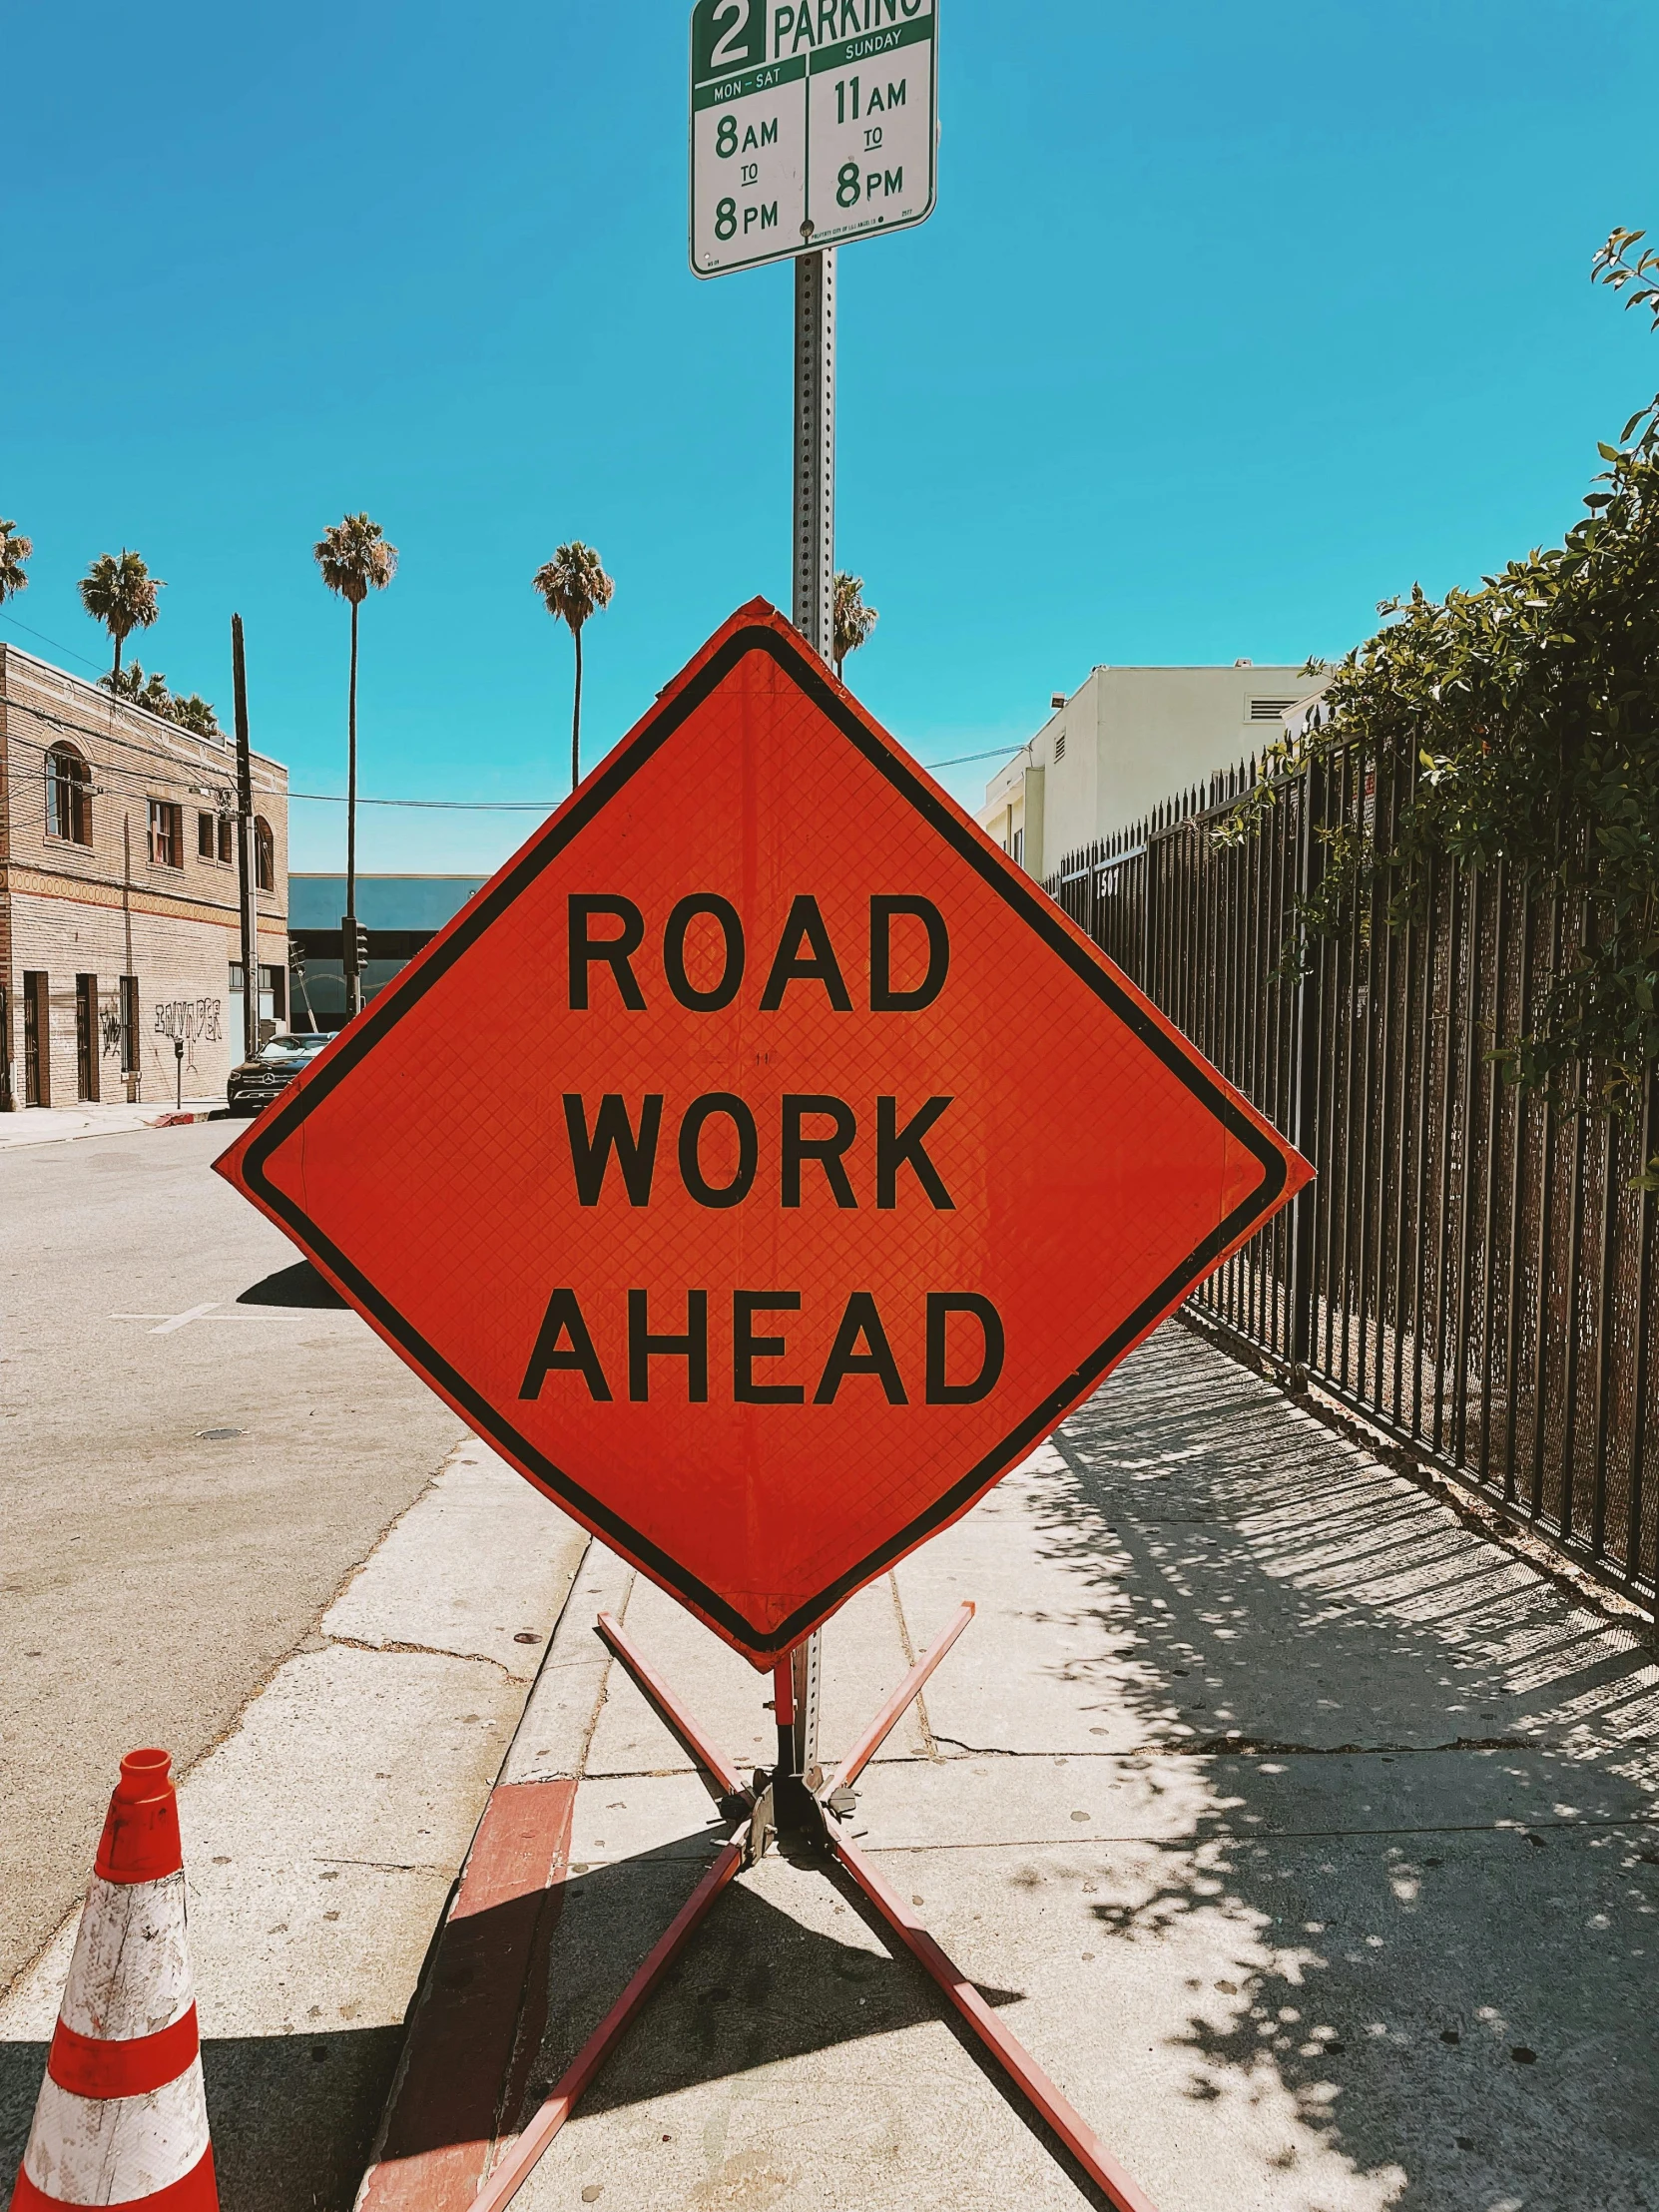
1427 1812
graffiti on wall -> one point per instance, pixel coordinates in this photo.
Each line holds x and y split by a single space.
192 1020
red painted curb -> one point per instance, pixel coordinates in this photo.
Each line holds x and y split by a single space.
484 1994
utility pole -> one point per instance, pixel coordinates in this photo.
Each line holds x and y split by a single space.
246 868
815 449
130 1066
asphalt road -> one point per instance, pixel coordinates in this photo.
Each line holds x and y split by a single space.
152 1573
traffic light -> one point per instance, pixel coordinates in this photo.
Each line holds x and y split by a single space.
353 945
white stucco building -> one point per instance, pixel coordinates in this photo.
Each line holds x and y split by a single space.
1126 739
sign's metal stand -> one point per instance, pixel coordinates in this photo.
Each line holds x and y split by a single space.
812 1818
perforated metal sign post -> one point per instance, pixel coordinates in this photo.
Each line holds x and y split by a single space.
810 126
760 1162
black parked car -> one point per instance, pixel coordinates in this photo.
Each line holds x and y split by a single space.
257 1082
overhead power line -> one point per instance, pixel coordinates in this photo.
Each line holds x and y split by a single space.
106 736
56 644
446 806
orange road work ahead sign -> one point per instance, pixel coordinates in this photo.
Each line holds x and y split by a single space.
760 1162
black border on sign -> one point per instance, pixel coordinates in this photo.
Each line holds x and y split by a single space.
281 1121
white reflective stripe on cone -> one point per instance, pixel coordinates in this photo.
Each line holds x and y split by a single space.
131 1971
109 2150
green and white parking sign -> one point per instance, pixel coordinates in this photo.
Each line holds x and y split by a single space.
811 124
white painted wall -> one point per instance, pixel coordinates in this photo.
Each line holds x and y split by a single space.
1127 739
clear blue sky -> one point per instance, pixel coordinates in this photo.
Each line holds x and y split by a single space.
1232 321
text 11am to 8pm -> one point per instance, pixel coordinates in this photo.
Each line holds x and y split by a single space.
810 124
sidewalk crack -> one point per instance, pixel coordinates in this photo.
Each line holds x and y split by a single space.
427 1651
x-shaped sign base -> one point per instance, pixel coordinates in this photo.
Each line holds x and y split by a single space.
804 1811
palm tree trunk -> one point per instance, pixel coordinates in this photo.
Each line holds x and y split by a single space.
118 642
576 717
353 981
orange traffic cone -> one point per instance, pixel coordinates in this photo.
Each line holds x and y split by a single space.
123 2115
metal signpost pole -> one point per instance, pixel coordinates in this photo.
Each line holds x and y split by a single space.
814 617
815 449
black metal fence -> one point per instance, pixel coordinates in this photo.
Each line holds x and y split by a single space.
1472 1270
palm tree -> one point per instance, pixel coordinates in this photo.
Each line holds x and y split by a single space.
191 712
354 558
574 585
120 592
146 690
15 549
854 620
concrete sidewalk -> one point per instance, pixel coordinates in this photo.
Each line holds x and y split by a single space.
1306 1839
59 1124
323 1834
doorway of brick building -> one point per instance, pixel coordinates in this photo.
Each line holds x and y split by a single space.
37 1039
86 1037
130 1037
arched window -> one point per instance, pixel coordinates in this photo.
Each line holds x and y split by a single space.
264 854
67 795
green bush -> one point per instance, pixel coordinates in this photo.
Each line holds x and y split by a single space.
1522 719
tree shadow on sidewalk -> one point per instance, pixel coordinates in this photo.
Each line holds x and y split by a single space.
1427 1822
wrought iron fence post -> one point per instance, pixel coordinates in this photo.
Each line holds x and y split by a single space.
1309 870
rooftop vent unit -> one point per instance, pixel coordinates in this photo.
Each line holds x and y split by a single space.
1057 699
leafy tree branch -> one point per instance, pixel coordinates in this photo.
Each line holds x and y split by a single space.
1519 723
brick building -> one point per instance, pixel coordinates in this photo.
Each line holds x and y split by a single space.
119 918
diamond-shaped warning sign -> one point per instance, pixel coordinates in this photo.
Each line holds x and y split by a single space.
760 1162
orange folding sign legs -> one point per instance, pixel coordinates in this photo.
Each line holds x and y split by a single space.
760 1162
520 2155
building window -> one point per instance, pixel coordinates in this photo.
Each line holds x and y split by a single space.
67 795
273 990
264 854
1019 848
215 837
166 834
